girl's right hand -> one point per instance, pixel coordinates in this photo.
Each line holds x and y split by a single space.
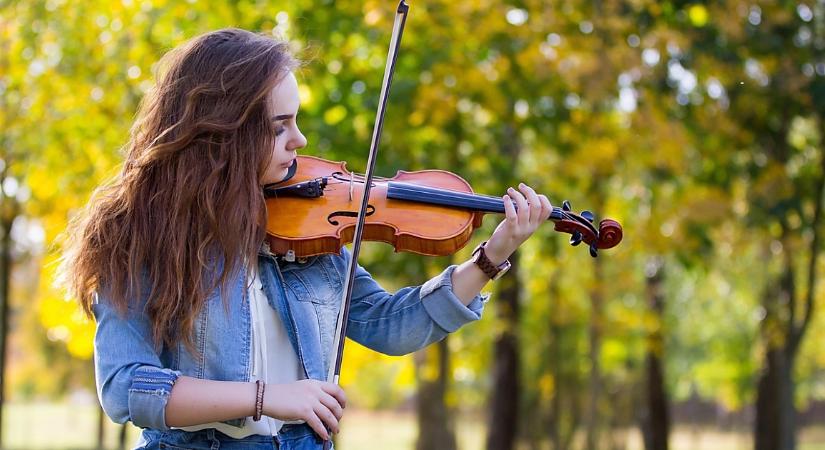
318 403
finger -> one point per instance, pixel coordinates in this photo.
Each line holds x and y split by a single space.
332 404
315 423
522 210
535 203
509 209
335 391
327 416
546 207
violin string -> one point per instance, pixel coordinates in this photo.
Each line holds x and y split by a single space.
497 204
491 203
472 200
412 188
427 194
416 189
477 201
482 199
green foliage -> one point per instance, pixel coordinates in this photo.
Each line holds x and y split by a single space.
693 124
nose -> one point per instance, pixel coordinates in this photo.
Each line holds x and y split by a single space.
298 141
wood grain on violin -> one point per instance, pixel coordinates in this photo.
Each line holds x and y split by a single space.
430 212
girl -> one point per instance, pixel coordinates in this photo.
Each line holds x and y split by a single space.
204 338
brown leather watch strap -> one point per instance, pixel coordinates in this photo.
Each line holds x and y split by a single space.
483 262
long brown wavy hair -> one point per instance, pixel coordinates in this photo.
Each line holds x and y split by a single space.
188 199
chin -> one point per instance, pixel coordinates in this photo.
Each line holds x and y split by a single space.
279 176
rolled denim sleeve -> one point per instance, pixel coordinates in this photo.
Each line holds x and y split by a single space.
131 384
410 319
444 307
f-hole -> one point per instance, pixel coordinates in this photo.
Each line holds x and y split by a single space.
332 216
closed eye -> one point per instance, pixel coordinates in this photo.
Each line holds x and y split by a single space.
279 122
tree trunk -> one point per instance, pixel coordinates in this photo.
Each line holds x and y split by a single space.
504 404
555 358
9 212
565 413
100 435
436 431
775 411
782 332
121 439
656 421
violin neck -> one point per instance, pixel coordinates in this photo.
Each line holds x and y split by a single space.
569 222
445 197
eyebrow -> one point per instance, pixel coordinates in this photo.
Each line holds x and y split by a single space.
281 117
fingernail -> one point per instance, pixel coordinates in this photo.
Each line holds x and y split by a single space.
521 185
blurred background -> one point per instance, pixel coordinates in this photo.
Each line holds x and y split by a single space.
697 125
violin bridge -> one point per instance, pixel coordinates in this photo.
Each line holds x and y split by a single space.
351 182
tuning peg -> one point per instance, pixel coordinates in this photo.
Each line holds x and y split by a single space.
565 206
594 252
576 238
588 215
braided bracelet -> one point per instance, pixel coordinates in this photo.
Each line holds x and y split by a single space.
259 400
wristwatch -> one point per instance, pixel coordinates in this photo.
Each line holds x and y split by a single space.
483 262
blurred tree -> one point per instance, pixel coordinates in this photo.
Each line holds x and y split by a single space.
697 125
14 193
760 62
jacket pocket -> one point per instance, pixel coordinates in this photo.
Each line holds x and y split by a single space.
315 281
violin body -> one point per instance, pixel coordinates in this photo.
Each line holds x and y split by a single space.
313 226
429 212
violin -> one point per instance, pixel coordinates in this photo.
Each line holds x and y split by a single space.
429 212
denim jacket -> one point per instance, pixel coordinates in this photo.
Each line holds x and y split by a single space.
134 381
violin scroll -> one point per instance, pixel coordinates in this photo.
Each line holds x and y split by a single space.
581 228
610 233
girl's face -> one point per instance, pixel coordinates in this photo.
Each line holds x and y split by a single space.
284 104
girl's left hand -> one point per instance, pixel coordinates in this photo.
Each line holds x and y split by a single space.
530 211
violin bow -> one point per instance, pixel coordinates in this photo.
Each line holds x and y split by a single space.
343 315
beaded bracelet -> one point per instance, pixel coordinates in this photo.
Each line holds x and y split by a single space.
259 400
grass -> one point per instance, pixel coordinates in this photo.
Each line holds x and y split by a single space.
73 426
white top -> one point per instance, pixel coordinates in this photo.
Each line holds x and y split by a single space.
273 360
